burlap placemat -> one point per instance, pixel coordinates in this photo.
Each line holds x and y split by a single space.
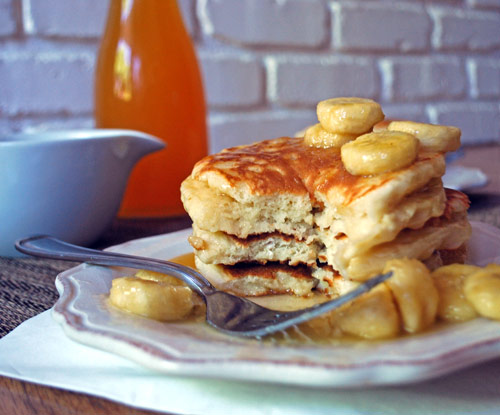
26 288
27 284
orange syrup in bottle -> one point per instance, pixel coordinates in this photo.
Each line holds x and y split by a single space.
148 79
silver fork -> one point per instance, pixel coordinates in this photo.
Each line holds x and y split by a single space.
226 312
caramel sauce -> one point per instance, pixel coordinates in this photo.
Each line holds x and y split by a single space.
185 259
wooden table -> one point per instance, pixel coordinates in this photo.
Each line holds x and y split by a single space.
25 398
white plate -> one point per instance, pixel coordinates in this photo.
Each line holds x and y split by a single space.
194 349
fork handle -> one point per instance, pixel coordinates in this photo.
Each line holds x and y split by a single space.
49 247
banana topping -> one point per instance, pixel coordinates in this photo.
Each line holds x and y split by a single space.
482 290
381 152
317 136
414 292
343 119
435 138
159 277
349 115
152 297
449 281
371 316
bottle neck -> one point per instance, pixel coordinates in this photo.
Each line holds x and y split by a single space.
152 10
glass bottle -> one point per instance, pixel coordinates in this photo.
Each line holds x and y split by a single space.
148 79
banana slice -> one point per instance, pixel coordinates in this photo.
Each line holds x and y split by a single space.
482 290
151 299
317 136
158 277
414 292
349 115
371 316
435 138
449 281
376 153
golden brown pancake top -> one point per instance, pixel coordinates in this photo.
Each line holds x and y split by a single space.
288 165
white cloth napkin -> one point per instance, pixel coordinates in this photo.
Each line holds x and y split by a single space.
38 351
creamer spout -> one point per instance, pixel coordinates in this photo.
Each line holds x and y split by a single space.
131 145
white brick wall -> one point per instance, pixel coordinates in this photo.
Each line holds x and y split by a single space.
266 63
469 30
232 81
380 26
45 83
485 78
8 18
67 18
425 78
302 81
299 23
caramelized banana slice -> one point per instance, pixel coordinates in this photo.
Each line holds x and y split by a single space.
436 138
371 316
158 277
376 153
151 299
449 281
317 136
482 290
414 292
349 115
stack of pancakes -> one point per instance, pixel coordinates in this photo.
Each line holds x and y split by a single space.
280 216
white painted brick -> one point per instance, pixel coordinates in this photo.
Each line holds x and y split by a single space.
380 26
266 22
425 78
31 46
484 4
303 81
228 130
465 29
411 112
8 24
485 77
479 122
46 83
232 80
79 18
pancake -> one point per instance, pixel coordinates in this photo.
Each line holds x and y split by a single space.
279 216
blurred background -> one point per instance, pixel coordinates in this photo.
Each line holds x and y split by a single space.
266 63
